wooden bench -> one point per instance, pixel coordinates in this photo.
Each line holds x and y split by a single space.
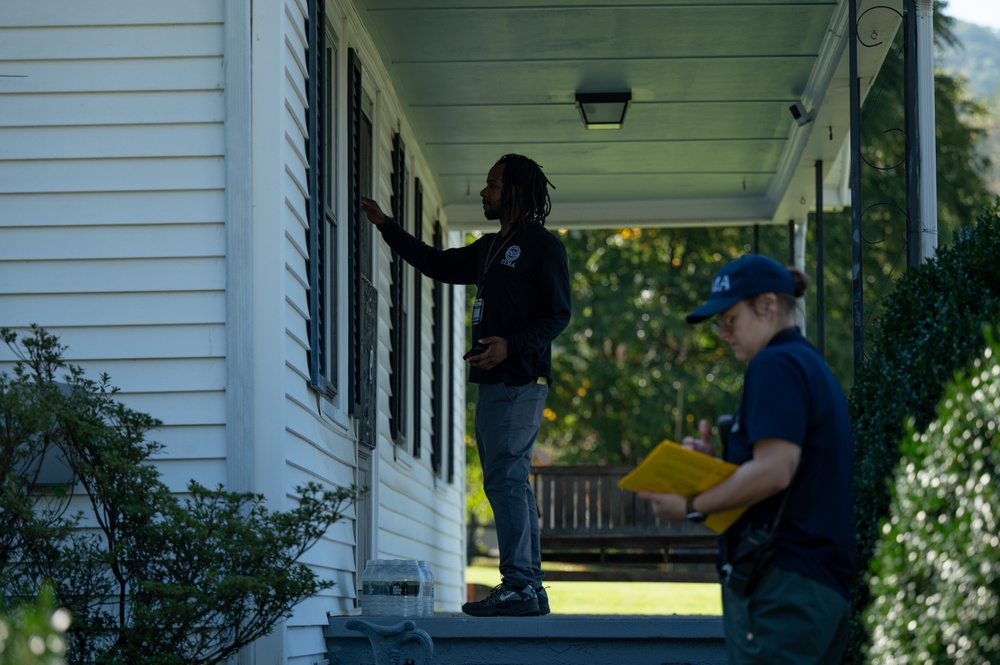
585 518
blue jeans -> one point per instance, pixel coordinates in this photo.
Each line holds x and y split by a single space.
507 422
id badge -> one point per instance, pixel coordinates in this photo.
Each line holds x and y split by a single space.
477 310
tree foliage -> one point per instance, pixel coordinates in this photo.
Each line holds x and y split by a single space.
147 577
629 371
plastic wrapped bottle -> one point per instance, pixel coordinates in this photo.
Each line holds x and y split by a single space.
373 588
393 588
426 589
409 580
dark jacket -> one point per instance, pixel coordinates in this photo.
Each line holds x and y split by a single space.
523 280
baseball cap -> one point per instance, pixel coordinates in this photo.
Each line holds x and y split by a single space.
749 275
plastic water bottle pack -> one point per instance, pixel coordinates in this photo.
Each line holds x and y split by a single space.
397 587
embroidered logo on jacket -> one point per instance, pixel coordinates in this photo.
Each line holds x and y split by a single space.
510 256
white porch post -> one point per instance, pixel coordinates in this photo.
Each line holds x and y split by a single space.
799 245
926 129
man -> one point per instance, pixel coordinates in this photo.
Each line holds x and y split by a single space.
522 304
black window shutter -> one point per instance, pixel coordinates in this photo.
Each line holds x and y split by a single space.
397 304
354 213
418 231
437 363
364 310
316 38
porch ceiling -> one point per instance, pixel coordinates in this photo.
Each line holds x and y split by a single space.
709 138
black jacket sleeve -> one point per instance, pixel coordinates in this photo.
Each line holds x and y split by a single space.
452 266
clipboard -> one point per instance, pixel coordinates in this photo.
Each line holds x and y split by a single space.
678 470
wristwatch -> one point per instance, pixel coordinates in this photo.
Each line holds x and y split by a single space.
692 514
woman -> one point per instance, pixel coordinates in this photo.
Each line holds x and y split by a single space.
786 564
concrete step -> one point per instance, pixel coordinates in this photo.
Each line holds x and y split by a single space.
551 640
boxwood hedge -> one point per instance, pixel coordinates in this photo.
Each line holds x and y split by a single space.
933 326
935 588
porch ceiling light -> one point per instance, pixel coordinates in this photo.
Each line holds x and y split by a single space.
603 110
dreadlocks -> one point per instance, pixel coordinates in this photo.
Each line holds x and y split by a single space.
524 190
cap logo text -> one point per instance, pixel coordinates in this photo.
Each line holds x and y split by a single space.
720 283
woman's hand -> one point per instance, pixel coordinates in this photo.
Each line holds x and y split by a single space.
667 506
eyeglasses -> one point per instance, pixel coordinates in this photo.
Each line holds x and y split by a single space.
724 324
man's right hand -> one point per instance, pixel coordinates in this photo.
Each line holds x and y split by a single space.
372 211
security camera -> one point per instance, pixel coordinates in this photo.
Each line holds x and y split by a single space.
798 111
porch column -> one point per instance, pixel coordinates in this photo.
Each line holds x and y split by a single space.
926 131
799 261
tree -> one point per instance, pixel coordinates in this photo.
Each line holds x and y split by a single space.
146 576
629 371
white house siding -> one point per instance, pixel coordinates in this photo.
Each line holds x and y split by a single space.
112 205
115 222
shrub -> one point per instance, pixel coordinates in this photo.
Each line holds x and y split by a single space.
936 594
35 633
932 327
147 577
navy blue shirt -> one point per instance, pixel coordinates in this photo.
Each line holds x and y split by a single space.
789 393
523 280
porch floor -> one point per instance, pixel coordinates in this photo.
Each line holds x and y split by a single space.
557 639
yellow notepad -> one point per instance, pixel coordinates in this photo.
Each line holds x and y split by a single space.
675 469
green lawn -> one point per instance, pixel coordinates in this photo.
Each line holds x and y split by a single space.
618 597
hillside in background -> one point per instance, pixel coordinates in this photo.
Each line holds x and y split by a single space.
978 62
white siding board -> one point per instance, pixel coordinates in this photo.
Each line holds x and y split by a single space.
318 459
103 276
112 309
191 408
84 109
191 441
100 343
98 76
120 208
298 375
102 175
102 12
334 560
296 298
324 437
124 243
111 41
171 375
306 641
177 474
399 538
108 141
